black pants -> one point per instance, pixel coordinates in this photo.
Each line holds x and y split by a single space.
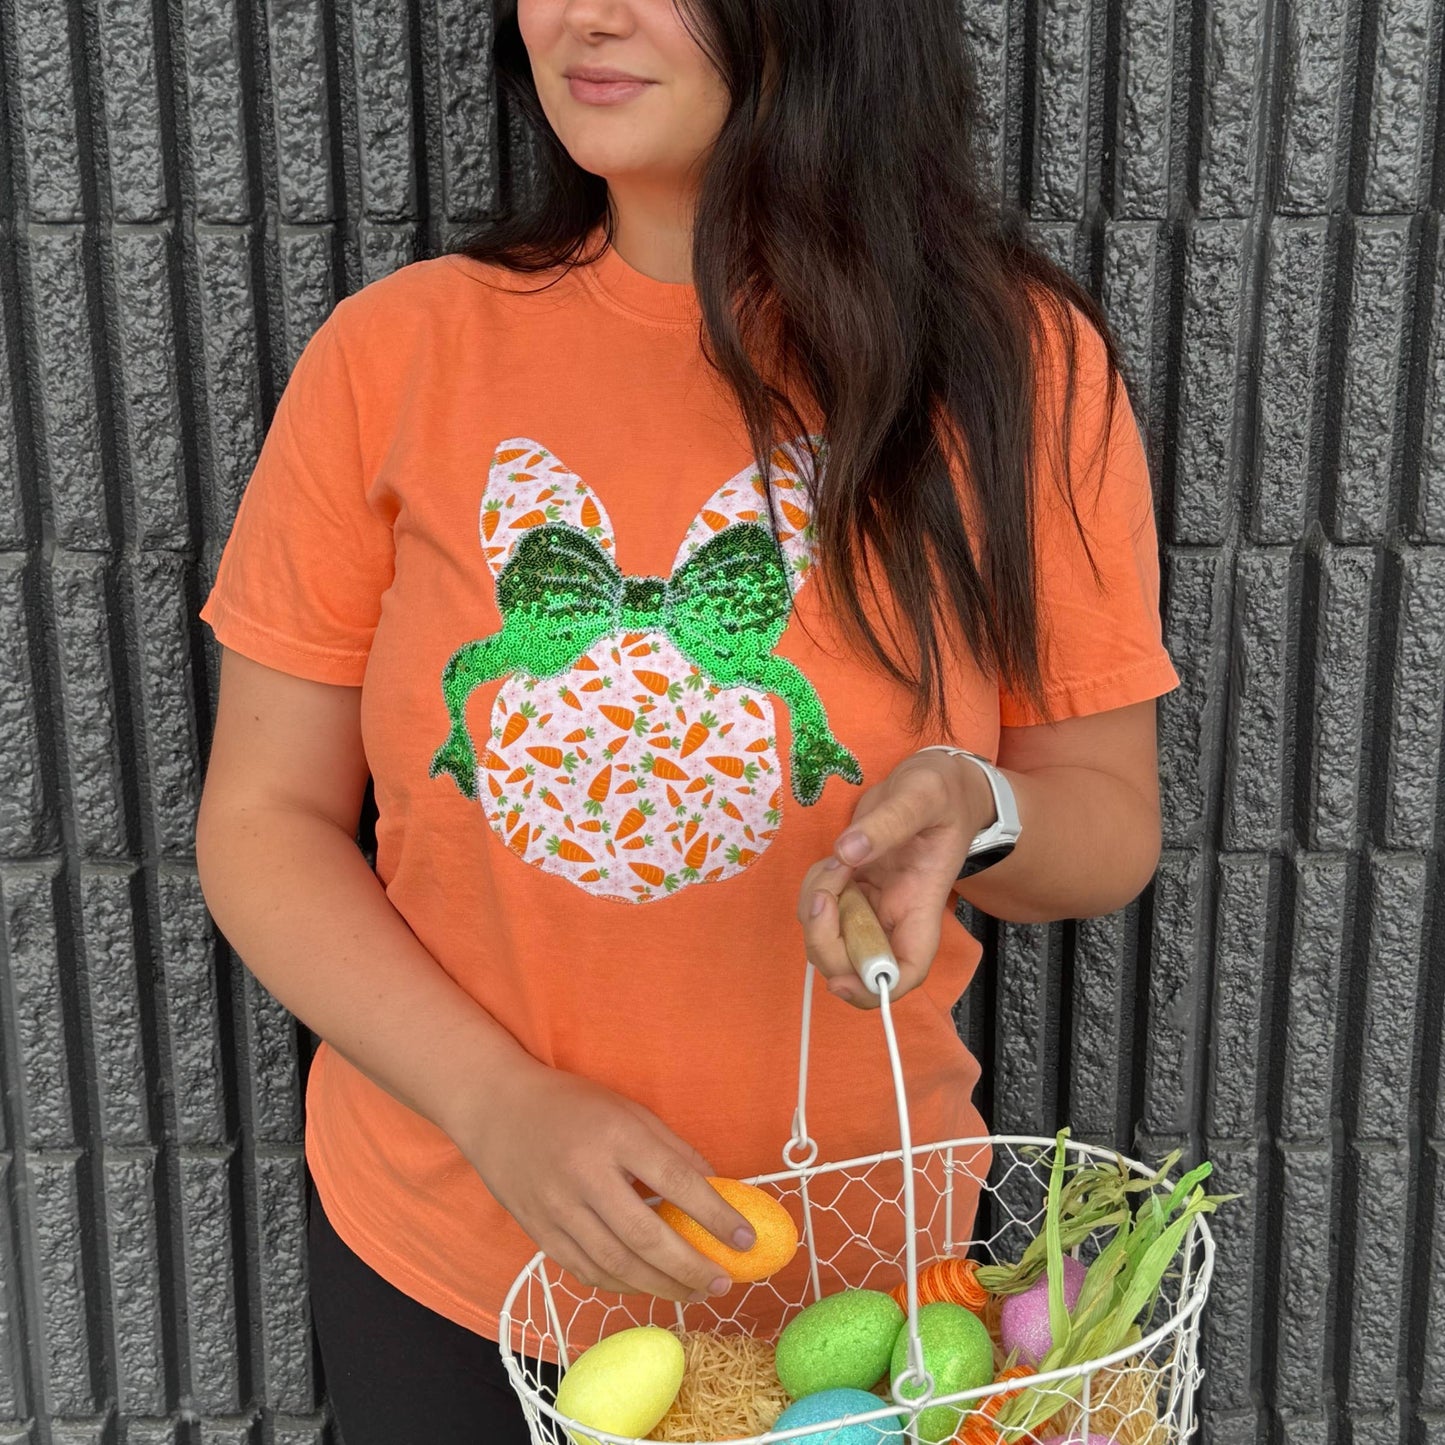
399 1373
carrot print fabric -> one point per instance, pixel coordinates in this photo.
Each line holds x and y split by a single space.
594 672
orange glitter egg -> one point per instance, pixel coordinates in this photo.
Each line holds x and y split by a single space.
777 1235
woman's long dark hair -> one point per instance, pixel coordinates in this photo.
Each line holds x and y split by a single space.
846 242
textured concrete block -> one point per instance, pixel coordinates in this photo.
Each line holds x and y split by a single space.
230 1432
1061 100
1260 720
1026 1048
1375 1427
1412 745
285 1313
986 33
29 819
230 360
136 1282
1337 682
387 139
130 84
1429 1265
1066 244
16 1433
116 983
1320 60
71 455
1147 115
1245 940
1394 984
190 1025
46 99
273 1073
79 1432
1173 1039
1206 459
56 1233
146 385
1292 371
1408 35
210 1351
302 105
1105 960
172 746
216 91
36 1006
299 1432
149 1432
1384 259
97 746
1229 1325
1429 522
468 108
1230 1427
386 248
1302 1279
18 524
308 286
1135 264
1229 158
15 1338
1321 888
1190 716
1383 1269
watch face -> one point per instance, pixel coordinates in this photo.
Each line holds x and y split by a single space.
979 861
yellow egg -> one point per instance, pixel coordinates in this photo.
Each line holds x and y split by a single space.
777 1235
624 1384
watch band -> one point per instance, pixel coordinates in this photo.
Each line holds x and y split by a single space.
997 841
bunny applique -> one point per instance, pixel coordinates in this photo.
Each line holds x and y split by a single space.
632 745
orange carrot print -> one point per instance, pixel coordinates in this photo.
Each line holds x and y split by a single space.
697 734
534 518
601 784
696 856
568 851
662 768
731 767
648 872
750 705
590 517
652 681
634 819
619 717
510 454
796 515
491 517
517 724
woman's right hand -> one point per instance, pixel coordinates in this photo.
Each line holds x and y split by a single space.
561 1154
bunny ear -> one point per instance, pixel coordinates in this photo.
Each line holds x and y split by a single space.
527 487
743 499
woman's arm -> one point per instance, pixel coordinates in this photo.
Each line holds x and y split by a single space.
287 885
1088 799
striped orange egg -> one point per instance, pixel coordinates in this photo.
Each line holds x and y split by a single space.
777 1235
947 1281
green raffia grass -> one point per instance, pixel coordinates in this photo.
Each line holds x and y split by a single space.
1121 1287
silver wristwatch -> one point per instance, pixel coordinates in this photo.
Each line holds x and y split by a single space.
996 841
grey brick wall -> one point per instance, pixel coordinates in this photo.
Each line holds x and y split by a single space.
1254 188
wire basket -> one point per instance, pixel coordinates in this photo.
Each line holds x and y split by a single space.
869 1223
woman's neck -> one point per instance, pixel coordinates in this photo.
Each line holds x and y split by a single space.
652 229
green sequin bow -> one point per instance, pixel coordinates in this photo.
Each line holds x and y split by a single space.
724 608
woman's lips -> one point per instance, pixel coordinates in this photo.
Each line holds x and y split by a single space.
605 92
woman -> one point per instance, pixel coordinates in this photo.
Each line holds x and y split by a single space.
636 550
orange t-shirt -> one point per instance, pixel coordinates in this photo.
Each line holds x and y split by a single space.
604 748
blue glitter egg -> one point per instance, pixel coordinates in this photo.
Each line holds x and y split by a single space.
829 1405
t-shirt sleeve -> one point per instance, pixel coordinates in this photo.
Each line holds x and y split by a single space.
301 577
1100 635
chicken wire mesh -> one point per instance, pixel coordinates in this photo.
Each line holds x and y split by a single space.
850 1217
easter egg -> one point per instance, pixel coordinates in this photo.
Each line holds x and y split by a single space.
957 1352
834 1405
1023 1324
624 1384
777 1235
843 1341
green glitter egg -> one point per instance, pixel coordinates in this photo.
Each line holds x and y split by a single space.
843 1342
957 1352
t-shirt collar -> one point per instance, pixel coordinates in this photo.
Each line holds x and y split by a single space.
660 303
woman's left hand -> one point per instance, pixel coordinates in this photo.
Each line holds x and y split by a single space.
908 839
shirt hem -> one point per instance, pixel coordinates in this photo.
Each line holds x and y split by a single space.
273 649
392 1267
1148 679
